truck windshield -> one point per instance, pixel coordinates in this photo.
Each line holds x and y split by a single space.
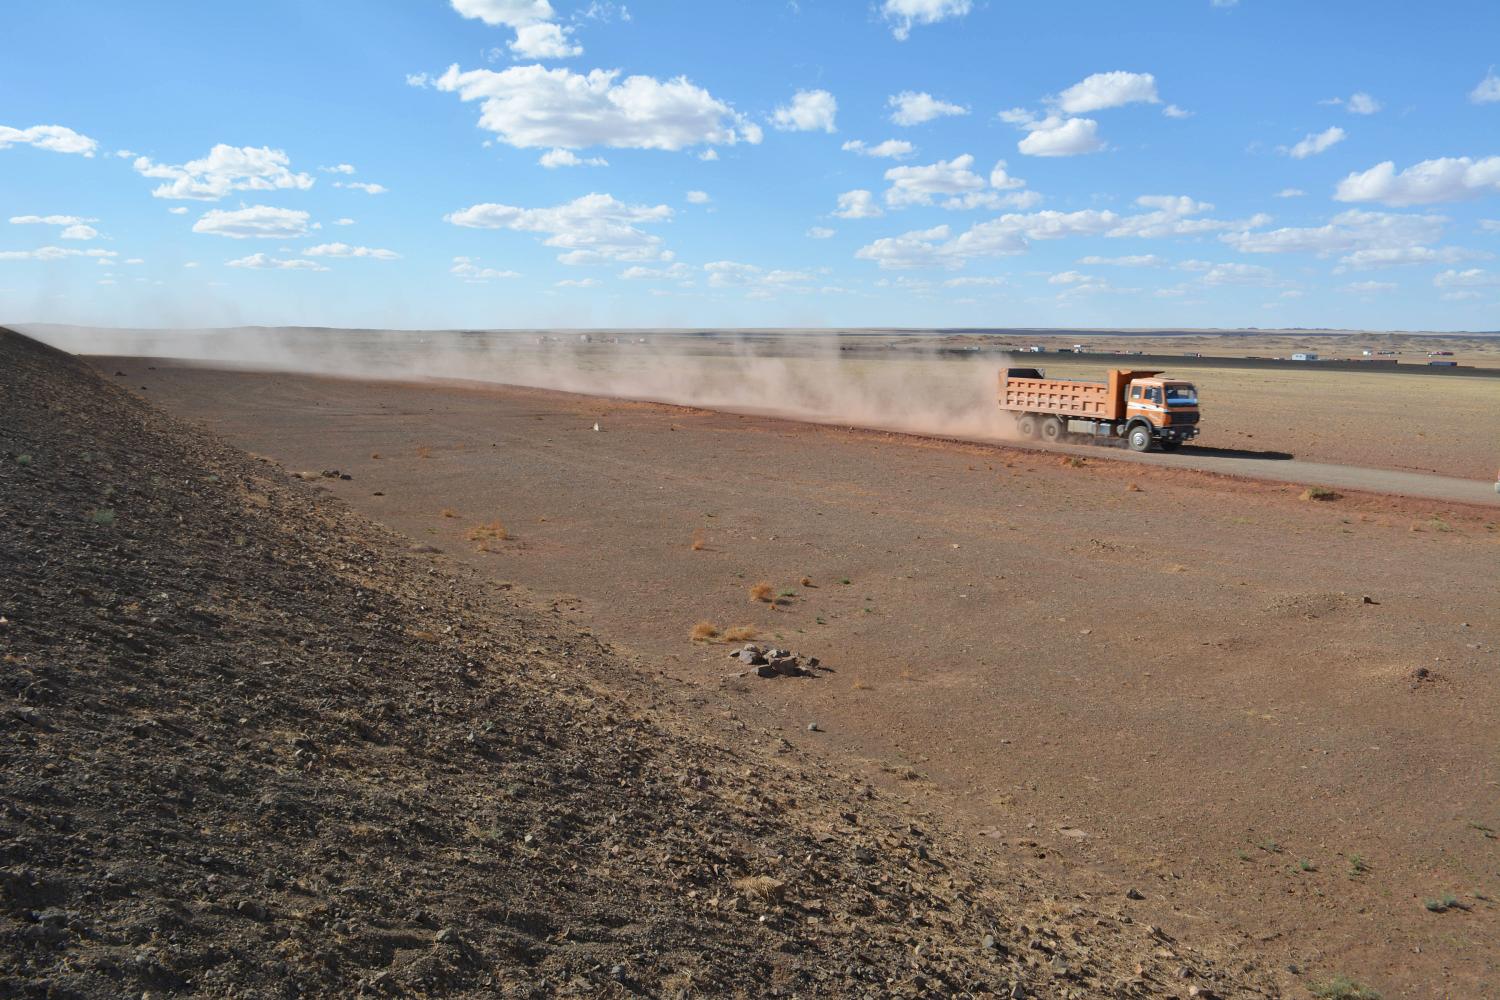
1182 395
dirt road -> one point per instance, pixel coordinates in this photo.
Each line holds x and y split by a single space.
1276 714
1282 468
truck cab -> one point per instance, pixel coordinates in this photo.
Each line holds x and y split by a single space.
1170 406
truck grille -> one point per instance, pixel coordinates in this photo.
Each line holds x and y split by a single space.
1184 419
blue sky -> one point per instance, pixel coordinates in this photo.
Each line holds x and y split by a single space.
517 163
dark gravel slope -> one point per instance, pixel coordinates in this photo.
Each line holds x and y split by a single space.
252 745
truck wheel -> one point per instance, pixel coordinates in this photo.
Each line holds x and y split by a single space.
1139 438
1052 430
1027 425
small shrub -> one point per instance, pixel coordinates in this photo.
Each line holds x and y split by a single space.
699 542
424 452
485 534
1320 493
705 631
787 594
375 455
1358 865
1306 866
103 516
449 512
762 592
806 581
1072 462
760 887
740 633
23 460
1443 904
845 581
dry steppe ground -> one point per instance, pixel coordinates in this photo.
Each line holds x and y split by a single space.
256 746
1268 715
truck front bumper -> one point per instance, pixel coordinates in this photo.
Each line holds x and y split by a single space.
1171 433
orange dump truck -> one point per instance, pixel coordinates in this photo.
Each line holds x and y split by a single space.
1135 405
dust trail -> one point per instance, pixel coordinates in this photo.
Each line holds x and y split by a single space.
802 376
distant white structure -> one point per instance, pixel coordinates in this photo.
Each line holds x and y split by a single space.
1304 356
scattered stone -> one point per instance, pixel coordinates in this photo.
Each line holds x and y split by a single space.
812 727
447 936
250 908
1133 894
423 547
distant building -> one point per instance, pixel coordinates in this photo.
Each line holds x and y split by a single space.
1304 356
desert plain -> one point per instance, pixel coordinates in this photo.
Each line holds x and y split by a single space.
1262 711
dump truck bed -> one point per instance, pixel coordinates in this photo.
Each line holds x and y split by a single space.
1067 397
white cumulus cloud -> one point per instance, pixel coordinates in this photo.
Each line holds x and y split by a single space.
1451 178
79 231
904 15
532 106
1108 90
345 250
590 229
1316 142
698 198
820 233
255 221
338 168
1359 103
1472 278
364 186
911 107
957 185
554 158
1487 92
225 169
56 253
858 204
260 261
893 149
57 138
1055 135
1346 232
469 269
545 41
809 111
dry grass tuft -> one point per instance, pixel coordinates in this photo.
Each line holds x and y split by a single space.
862 686
1072 462
1132 488
449 512
761 887
424 452
486 533
1320 493
705 631
806 581
375 455
740 633
699 541
762 592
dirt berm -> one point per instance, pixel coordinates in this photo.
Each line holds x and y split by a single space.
255 746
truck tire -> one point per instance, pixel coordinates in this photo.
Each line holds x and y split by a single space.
1052 430
1027 425
1139 438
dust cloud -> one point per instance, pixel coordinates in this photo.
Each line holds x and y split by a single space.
804 376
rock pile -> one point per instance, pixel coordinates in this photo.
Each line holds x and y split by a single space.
768 661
